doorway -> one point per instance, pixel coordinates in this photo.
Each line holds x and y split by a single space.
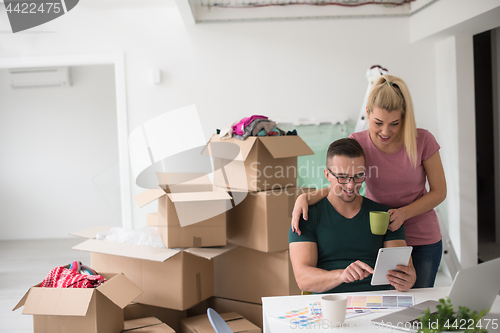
111 175
487 145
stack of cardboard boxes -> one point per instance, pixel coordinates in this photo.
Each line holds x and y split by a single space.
191 221
258 223
248 205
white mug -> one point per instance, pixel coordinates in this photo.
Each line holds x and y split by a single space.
333 309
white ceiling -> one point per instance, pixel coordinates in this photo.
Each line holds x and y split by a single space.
203 11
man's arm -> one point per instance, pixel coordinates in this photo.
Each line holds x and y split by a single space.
404 278
304 257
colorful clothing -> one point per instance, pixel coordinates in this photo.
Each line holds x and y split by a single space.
239 128
62 277
275 131
264 126
248 129
393 181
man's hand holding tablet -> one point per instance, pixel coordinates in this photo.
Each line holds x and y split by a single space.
394 267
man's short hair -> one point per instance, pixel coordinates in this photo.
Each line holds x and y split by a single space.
344 147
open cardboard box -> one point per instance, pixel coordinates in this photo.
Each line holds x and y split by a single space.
146 325
191 211
170 317
261 221
235 321
256 163
248 275
171 278
85 310
251 311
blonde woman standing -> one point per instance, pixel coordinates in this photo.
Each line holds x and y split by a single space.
399 160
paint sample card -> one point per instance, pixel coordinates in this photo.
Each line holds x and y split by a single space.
379 301
356 305
311 315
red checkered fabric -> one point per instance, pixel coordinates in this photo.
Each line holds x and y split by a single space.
61 277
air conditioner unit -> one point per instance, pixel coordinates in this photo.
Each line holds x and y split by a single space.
40 77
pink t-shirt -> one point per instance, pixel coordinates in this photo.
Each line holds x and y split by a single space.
391 180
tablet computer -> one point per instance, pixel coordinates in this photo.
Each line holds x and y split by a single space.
388 259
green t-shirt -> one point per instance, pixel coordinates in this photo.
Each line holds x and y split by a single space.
342 241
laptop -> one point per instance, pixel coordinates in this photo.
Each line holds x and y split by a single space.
475 287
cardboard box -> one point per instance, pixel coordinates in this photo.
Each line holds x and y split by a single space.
211 232
146 325
171 278
248 275
235 321
251 311
170 317
261 221
191 211
199 309
256 163
84 310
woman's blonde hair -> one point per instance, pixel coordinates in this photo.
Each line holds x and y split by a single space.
391 93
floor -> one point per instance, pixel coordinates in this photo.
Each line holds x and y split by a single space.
26 263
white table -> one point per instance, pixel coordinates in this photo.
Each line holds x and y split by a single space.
362 323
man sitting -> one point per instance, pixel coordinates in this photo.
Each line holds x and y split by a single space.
336 251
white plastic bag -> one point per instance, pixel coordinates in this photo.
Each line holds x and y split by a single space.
147 236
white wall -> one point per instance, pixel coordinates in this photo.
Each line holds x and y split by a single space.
59 156
455 77
446 18
286 69
453 35
446 79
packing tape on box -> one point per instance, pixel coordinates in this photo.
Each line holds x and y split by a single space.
198 287
197 241
291 204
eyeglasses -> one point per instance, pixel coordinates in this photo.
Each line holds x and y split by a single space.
359 178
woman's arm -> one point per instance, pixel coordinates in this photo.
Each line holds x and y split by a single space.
302 204
437 193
